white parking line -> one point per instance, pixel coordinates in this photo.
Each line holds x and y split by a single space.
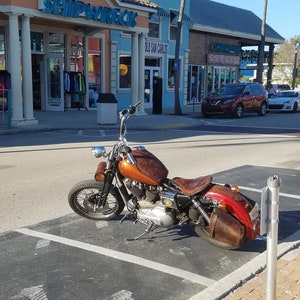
259 191
121 256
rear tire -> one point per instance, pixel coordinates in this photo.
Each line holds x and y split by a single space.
84 194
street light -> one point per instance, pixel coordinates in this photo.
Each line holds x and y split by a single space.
295 70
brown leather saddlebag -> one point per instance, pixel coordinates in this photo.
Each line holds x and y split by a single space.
226 229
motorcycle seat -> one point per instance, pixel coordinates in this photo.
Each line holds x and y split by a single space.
192 186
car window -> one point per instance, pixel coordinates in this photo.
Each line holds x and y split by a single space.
230 90
248 89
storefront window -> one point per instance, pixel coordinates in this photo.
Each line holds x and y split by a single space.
37 41
218 76
2 48
171 72
196 80
125 72
57 43
76 59
94 63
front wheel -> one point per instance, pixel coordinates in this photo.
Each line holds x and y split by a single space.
239 111
263 109
295 107
84 196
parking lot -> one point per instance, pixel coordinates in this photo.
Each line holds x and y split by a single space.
73 258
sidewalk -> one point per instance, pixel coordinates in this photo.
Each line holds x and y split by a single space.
248 282
82 119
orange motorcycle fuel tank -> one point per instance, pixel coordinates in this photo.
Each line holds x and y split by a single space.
148 168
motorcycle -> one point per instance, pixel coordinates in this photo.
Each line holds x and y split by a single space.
135 178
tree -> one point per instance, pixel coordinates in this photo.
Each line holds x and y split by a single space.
284 62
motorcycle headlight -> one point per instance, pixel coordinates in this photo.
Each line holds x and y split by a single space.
98 151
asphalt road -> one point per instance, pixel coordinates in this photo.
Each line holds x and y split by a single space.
48 252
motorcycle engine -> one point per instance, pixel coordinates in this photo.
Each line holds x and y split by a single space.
159 215
152 210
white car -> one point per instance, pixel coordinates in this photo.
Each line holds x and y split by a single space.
285 100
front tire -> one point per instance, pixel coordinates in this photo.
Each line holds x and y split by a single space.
85 194
239 111
295 107
263 109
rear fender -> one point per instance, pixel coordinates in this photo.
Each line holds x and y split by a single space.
236 205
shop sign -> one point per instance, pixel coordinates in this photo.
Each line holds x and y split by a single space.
224 60
234 49
75 9
156 48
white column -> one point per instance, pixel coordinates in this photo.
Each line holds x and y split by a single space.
141 77
86 70
15 66
134 69
27 70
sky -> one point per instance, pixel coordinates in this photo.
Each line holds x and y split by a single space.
282 15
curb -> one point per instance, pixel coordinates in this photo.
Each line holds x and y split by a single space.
239 277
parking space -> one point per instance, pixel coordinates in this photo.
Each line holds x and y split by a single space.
74 258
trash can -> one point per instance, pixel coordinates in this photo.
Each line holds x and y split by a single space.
107 109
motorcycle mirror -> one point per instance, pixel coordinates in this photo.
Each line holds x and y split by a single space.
98 151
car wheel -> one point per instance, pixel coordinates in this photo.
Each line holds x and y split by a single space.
263 109
239 110
295 107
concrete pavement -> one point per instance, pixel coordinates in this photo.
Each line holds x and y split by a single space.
83 119
249 283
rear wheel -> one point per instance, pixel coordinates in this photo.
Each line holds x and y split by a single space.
84 196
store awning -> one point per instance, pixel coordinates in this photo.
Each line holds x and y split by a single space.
162 12
174 14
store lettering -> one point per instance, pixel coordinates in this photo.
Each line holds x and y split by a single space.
159 48
74 9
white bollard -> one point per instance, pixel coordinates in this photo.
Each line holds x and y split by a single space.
272 236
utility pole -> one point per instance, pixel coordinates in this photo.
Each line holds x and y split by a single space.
295 70
177 108
260 62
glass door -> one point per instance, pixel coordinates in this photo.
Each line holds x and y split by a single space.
150 73
54 89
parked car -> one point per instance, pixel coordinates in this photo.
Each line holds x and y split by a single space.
285 100
235 99
280 87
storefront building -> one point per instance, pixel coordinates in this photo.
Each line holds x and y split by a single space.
66 52
159 64
218 36
71 51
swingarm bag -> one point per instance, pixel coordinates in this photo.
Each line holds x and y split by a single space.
226 229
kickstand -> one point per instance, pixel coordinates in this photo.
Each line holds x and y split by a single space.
148 230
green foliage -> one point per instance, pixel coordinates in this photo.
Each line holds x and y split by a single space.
284 60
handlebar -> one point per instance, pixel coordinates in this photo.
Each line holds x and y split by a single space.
129 111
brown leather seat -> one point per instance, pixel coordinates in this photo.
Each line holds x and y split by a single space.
192 186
